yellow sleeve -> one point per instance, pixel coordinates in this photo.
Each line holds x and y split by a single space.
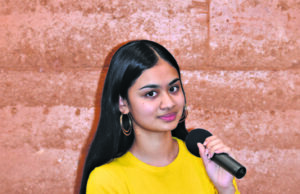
103 180
235 186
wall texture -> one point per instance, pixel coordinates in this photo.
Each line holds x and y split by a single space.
240 64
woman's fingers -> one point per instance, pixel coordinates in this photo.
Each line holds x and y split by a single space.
214 145
201 149
210 141
203 154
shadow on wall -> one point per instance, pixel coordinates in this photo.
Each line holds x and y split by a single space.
97 111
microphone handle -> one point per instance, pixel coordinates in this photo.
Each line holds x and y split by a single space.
229 164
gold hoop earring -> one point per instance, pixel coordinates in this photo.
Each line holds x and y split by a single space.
184 114
128 131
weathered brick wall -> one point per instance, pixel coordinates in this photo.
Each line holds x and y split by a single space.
240 64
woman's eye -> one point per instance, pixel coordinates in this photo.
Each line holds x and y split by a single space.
174 89
151 94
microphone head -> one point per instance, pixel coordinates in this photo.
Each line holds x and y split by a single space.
196 136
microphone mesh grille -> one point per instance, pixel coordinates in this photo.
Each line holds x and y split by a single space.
195 136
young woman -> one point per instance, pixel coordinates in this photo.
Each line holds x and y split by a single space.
138 146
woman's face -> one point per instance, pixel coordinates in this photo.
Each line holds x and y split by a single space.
156 99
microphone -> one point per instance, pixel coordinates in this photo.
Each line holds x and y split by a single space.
224 160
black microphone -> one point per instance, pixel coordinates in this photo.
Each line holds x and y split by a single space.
224 160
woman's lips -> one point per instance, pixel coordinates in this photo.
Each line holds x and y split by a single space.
168 117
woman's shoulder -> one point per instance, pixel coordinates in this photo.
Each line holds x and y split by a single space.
103 178
109 169
187 156
180 142
181 145
104 169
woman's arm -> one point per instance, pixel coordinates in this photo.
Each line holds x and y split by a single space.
222 180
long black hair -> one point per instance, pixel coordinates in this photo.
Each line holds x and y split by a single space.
126 65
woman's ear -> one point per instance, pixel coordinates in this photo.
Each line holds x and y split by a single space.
123 105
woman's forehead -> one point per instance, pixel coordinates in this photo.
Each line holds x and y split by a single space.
160 73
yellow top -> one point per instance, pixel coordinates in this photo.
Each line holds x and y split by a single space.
127 174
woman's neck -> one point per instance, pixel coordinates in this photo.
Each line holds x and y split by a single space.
157 149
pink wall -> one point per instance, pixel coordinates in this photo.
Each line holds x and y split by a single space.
240 62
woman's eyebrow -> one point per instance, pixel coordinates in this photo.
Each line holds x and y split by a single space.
174 81
154 86
149 86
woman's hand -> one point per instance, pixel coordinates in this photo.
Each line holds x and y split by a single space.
220 177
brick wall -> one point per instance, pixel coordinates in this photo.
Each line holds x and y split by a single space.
240 65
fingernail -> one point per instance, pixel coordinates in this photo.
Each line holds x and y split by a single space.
206 152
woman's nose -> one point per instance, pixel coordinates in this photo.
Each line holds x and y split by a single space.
167 101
